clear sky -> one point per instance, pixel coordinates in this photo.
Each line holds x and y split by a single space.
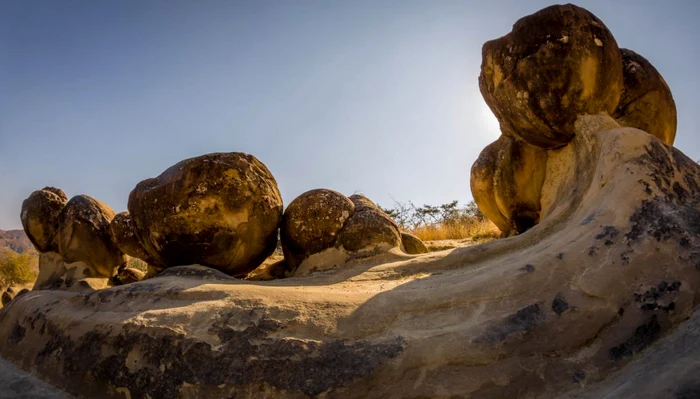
378 97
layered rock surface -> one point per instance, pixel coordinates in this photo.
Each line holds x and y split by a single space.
609 270
599 283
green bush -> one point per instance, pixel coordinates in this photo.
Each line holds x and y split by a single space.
17 268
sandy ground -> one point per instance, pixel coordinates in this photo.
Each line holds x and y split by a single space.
18 384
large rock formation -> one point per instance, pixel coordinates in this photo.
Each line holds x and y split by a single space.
220 210
555 66
73 239
596 300
333 228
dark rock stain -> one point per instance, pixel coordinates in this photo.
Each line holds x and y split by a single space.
527 268
608 232
246 356
643 336
523 320
559 304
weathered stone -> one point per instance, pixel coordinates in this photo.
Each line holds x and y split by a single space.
8 295
84 235
483 190
321 220
412 244
128 275
124 235
555 65
368 228
220 210
312 222
40 217
506 182
646 102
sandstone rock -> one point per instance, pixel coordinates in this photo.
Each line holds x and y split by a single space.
220 210
128 275
482 181
84 235
323 219
506 182
368 227
40 217
7 296
124 236
57 274
646 102
607 274
273 268
555 65
311 223
412 244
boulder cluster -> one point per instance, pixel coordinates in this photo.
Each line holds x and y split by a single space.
554 67
220 210
73 237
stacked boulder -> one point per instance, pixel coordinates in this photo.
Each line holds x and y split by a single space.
554 67
72 237
221 210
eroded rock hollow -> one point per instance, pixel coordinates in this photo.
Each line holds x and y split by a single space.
599 287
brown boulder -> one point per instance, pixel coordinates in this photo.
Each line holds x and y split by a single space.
311 223
220 210
40 217
556 64
322 219
646 102
84 235
506 183
368 227
412 244
122 230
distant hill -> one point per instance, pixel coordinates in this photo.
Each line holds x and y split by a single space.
16 240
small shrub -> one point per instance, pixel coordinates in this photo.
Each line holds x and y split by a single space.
17 268
443 222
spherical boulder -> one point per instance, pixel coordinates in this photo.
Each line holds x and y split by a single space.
482 184
311 223
412 245
368 227
220 210
84 236
39 217
322 219
506 183
556 64
646 102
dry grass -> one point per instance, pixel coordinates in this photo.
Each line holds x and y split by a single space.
472 229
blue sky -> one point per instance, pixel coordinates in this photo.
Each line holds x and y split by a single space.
378 97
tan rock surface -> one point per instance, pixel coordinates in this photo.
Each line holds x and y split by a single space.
608 271
646 102
412 244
